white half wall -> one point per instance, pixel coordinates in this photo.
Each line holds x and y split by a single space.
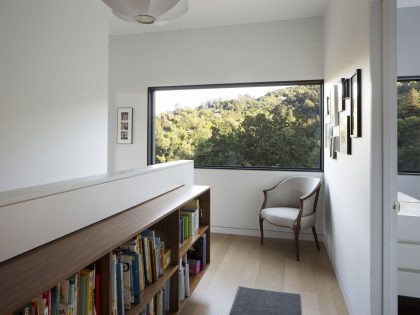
53 91
274 51
408 39
352 214
56 210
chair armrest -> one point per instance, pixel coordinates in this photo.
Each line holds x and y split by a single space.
265 191
303 198
306 198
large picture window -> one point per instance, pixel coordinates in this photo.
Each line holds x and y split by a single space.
408 98
256 126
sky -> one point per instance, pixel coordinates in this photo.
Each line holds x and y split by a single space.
166 100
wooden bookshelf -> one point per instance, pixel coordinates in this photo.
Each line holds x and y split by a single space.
28 275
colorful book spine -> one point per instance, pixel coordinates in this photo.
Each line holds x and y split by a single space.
97 293
47 296
186 270
181 281
204 247
55 295
126 268
181 230
114 309
146 260
194 266
120 287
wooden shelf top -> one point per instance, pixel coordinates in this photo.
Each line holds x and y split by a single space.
186 245
28 275
149 292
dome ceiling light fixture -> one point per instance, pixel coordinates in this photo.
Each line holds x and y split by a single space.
148 11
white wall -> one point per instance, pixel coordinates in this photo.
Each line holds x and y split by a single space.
275 51
350 201
237 196
408 39
53 91
410 185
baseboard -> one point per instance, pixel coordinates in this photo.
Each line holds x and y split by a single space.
267 233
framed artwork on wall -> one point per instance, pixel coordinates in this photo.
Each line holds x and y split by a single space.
334 106
125 125
356 104
340 99
345 140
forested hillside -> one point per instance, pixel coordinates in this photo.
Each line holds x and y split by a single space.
409 126
279 129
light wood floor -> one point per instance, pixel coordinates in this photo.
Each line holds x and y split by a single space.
241 261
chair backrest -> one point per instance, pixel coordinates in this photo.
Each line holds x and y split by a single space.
289 191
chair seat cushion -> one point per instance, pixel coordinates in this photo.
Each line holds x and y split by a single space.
282 216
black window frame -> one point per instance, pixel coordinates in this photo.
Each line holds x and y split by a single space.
151 121
405 79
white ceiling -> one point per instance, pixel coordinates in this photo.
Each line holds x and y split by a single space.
208 13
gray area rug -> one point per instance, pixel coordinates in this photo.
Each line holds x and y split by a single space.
254 301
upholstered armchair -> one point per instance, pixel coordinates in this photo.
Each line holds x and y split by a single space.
292 204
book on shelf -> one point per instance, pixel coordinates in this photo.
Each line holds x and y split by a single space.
166 258
159 304
181 281
184 278
189 222
181 230
119 285
192 204
193 219
194 266
186 275
142 260
197 254
76 295
113 284
127 280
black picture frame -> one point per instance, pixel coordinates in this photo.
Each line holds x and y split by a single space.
345 140
340 96
356 104
334 110
125 125
346 88
346 93
328 106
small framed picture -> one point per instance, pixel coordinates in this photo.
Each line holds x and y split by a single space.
334 106
356 104
340 99
346 88
125 125
327 106
327 135
345 140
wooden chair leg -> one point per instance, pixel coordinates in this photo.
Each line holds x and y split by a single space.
297 244
316 238
262 230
